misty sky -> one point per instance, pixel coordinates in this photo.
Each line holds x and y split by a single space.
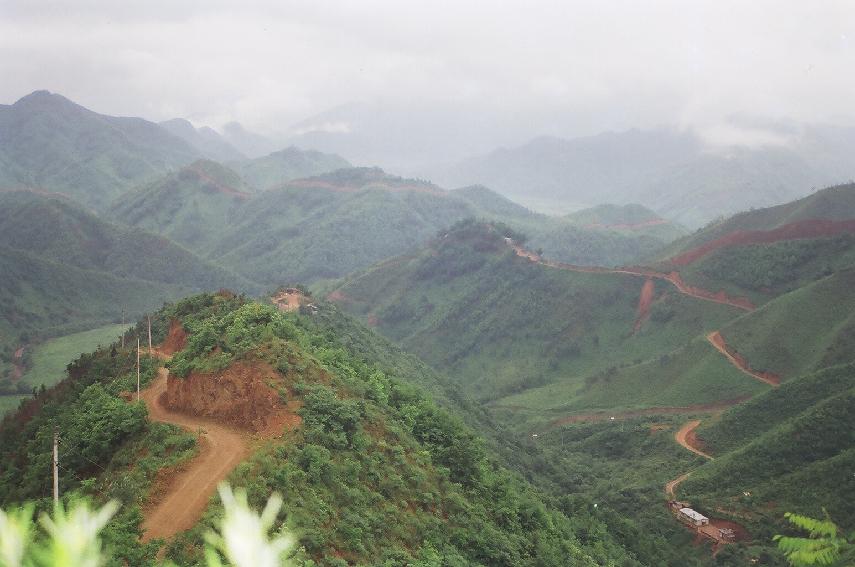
562 67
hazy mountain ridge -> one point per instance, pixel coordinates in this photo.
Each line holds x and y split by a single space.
672 172
48 142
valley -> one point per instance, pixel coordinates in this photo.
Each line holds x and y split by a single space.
426 374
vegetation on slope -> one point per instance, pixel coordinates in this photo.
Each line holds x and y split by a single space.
834 204
376 473
800 459
807 329
190 206
65 270
763 271
285 165
500 324
48 142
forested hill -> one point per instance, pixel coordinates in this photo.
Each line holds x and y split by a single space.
48 142
370 470
66 270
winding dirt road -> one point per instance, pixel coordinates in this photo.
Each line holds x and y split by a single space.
685 436
187 493
739 362
673 278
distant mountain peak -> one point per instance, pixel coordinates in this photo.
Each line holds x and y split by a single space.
45 98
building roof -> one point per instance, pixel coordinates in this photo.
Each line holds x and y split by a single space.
696 516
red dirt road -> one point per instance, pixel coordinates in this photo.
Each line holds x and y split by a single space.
188 492
671 487
685 436
816 228
739 362
673 278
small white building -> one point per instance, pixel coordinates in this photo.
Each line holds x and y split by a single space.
693 517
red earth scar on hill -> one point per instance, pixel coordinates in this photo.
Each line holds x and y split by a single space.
217 186
817 228
648 290
175 340
739 361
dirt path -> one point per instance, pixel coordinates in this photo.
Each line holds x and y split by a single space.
671 487
739 362
685 436
187 493
673 278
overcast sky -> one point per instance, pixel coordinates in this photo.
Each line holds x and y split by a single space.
564 67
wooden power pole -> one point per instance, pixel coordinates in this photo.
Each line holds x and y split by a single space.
55 467
138 369
150 351
123 328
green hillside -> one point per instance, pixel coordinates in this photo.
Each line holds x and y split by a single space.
501 325
764 271
833 204
329 225
190 206
48 142
56 229
807 329
375 473
798 457
66 270
285 165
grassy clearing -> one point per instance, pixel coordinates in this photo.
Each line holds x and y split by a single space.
9 403
51 357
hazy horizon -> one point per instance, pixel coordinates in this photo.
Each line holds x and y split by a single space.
732 72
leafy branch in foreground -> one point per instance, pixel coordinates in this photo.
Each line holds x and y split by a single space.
71 538
823 546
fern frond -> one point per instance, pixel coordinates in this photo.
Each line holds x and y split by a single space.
816 528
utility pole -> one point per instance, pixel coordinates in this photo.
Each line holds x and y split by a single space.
123 328
55 467
150 351
138 369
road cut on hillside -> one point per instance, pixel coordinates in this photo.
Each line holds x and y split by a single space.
188 492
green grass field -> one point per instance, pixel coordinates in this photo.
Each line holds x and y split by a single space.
9 403
51 357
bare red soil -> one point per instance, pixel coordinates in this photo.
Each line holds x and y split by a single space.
175 339
739 361
686 437
238 396
216 186
817 228
228 410
184 495
289 299
648 291
18 364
